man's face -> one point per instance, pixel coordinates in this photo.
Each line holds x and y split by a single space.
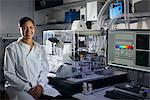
27 30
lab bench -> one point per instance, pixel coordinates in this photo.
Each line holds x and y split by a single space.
121 91
68 87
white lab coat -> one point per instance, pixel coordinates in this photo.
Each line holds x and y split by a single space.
24 69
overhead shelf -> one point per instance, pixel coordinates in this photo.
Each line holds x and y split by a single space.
133 18
70 5
10 36
55 26
88 32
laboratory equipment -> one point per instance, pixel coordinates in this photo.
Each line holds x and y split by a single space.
83 14
78 25
58 51
115 9
71 16
73 52
88 51
84 87
129 49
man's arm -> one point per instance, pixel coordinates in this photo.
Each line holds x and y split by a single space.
10 72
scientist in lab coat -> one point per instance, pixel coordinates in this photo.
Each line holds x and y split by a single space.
26 66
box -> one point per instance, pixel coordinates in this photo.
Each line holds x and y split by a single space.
71 16
92 9
83 14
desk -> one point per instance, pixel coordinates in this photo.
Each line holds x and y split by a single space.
98 94
93 76
71 87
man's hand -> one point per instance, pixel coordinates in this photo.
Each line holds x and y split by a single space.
36 91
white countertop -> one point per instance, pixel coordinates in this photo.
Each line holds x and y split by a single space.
98 94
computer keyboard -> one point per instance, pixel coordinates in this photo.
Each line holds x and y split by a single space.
116 94
129 87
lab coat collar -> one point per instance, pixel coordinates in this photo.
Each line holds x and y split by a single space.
35 47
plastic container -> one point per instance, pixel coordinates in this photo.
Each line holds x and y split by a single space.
71 16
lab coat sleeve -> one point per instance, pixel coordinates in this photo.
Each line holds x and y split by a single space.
43 80
10 72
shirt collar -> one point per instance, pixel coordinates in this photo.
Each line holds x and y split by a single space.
35 47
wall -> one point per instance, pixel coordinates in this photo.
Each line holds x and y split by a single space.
12 11
0 16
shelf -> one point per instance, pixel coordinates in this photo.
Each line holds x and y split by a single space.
139 68
10 36
142 50
54 24
88 32
71 5
133 18
58 14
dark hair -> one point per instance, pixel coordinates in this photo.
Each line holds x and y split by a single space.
25 19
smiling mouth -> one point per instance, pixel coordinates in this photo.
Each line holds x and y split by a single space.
29 34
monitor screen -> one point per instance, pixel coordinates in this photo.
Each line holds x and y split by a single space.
115 9
129 49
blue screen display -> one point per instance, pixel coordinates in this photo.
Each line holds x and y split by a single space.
115 9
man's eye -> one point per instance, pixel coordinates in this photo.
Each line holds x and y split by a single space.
31 27
24 28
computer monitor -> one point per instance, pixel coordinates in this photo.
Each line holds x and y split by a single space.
129 49
115 9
